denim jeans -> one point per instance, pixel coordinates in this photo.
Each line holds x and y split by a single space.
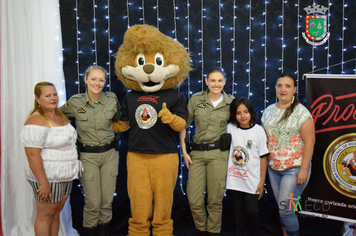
287 193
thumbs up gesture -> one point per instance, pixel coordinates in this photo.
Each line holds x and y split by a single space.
165 115
175 122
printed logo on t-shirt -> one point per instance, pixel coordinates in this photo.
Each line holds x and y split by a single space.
240 156
249 144
146 116
148 98
237 172
239 159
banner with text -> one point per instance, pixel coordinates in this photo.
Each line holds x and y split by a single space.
331 192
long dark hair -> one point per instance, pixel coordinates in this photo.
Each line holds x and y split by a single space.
290 109
235 104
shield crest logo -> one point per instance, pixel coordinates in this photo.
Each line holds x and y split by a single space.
316 25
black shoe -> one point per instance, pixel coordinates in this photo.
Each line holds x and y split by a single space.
201 233
211 234
103 229
90 231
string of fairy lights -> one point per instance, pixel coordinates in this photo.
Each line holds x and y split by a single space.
222 48
175 18
265 101
298 47
343 36
127 17
143 12
109 45
95 50
201 53
282 38
220 62
188 45
249 48
313 55
157 12
77 44
233 49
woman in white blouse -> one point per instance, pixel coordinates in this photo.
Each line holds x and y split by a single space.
49 142
291 136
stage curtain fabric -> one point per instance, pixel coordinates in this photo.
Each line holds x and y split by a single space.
31 51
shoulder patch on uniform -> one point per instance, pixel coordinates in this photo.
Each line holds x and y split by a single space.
110 94
199 93
66 104
201 105
79 95
81 110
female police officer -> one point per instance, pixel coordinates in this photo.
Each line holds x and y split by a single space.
94 112
210 109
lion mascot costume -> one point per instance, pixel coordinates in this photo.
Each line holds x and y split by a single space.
152 65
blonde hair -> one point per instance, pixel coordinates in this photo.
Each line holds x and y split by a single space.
38 92
91 68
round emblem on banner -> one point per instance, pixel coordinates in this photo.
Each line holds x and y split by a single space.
146 116
340 164
240 156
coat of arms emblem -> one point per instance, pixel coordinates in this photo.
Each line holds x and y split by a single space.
316 25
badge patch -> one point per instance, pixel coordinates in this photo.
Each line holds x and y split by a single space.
316 25
340 164
146 116
222 124
249 144
201 105
81 110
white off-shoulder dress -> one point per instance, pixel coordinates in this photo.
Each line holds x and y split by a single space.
59 153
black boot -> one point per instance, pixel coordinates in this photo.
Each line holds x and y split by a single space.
92 231
103 230
201 233
211 234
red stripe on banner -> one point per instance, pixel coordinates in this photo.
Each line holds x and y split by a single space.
335 128
345 96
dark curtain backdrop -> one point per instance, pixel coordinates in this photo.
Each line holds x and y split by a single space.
254 44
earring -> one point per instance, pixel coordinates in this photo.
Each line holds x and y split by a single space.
292 99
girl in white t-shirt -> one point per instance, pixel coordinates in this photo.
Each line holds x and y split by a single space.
247 165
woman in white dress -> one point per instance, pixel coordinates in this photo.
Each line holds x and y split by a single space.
50 148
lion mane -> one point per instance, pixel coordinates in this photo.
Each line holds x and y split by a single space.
146 39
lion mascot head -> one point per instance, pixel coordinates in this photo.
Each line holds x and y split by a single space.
149 61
